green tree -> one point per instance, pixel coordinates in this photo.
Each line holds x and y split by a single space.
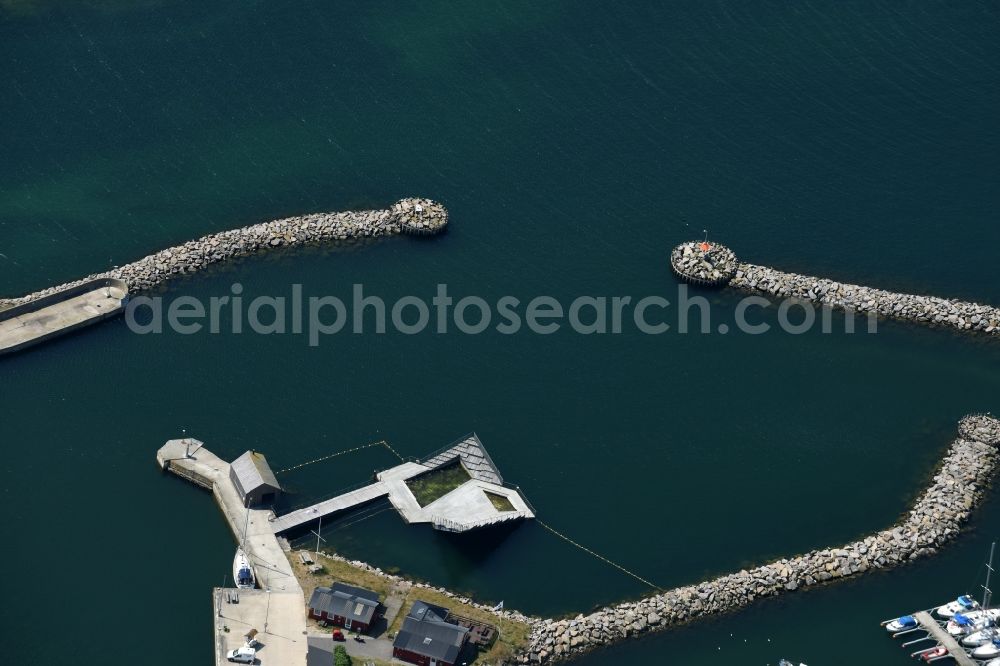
340 656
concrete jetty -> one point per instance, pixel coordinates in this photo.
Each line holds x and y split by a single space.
411 216
464 508
58 313
714 265
278 609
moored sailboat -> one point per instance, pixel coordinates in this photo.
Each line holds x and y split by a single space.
242 571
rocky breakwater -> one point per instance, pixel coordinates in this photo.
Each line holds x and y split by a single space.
420 216
930 310
936 517
703 263
711 264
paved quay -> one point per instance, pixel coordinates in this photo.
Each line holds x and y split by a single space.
280 638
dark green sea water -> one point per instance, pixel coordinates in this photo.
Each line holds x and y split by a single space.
574 144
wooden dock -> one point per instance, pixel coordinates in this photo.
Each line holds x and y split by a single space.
322 509
931 626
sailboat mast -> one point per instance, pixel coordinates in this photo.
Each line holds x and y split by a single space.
989 570
246 526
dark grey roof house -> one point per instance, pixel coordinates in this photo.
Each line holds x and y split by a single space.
345 606
253 479
426 637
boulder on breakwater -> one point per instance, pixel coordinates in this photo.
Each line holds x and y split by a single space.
703 263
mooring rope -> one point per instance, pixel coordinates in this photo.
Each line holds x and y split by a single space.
386 444
381 442
600 557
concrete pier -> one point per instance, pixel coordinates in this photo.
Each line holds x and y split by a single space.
59 313
280 613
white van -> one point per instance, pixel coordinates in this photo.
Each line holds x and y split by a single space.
245 655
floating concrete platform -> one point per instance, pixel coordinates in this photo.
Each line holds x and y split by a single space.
464 508
42 319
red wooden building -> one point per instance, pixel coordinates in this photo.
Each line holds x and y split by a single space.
427 638
346 606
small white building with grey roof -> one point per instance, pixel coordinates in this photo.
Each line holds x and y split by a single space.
254 480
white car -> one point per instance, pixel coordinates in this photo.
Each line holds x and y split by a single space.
244 655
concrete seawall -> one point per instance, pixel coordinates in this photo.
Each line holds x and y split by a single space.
936 517
411 216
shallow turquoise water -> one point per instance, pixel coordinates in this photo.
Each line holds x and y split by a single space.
573 145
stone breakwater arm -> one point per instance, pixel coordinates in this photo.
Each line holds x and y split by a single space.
415 216
961 315
936 517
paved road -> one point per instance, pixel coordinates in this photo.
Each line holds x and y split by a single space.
321 650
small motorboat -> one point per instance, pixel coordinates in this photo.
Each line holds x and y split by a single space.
987 650
901 624
934 653
242 571
979 637
963 604
785 662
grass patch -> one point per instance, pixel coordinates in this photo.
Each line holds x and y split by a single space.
513 635
436 484
335 571
500 503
